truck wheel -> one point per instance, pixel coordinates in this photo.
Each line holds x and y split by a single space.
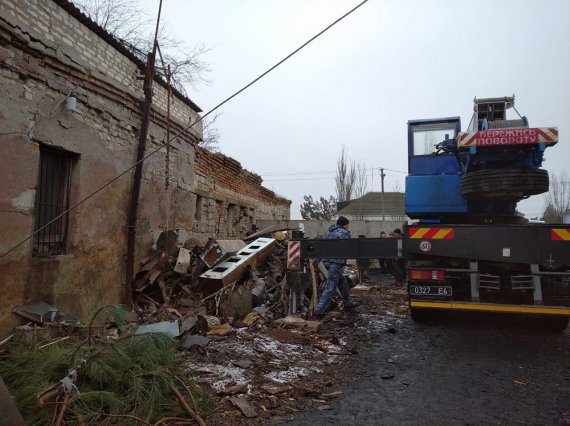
504 184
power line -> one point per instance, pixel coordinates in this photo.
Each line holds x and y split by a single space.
290 173
255 80
304 179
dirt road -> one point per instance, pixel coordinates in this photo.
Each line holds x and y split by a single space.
455 370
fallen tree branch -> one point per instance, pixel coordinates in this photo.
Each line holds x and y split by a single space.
128 416
54 342
185 405
168 419
62 409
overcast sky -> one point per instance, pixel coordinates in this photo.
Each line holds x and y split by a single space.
359 84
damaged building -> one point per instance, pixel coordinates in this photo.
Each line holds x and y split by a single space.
70 116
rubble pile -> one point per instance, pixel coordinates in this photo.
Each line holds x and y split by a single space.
226 308
224 278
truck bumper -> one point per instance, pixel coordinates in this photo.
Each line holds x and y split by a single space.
490 307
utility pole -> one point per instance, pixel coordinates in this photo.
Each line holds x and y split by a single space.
134 202
382 174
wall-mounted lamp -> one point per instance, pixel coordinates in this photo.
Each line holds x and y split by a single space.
71 102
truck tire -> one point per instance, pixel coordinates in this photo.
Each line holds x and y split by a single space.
504 184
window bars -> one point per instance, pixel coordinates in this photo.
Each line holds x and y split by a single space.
52 199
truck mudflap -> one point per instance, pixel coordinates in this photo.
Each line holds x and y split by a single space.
490 307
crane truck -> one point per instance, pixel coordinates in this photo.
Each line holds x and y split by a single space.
467 248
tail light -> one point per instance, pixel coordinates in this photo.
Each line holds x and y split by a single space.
426 274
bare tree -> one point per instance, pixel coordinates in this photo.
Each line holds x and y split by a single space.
134 28
396 187
361 182
345 178
360 189
211 134
558 198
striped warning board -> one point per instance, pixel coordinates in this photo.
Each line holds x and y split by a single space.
515 136
294 255
560 234
432 233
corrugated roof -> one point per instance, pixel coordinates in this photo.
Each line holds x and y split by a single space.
370 204
74 11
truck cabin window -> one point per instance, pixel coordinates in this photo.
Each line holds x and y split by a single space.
427 135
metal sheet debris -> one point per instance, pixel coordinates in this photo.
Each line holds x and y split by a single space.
183 261
40 312
231 269
194 340
218 250
167 327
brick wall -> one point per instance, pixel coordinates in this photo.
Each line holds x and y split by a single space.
232 198
44 54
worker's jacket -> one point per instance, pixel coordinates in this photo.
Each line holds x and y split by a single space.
336 232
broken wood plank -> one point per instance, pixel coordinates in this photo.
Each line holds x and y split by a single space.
313 326
245 407
314 297
361 287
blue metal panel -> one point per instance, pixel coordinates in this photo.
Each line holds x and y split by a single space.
434 165
434 195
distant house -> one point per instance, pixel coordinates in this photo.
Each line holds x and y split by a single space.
388 206
566 217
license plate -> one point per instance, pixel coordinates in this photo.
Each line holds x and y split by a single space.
431 290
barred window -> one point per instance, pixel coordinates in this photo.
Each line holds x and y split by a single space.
52 200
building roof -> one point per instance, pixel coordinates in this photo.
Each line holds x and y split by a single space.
74 11
370 204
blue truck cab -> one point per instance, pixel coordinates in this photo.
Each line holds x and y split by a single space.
433 181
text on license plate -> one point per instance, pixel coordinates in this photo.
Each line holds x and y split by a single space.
430 290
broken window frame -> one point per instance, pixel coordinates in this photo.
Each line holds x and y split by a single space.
52 199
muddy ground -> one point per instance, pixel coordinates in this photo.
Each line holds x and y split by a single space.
453 370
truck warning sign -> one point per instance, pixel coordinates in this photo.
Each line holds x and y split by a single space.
515 136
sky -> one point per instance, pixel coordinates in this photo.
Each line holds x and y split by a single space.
359 83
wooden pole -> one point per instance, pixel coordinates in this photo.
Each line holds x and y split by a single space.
134 202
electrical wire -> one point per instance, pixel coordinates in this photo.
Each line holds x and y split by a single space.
278 174
283 180
255 80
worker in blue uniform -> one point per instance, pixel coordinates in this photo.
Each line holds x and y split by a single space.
336 231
